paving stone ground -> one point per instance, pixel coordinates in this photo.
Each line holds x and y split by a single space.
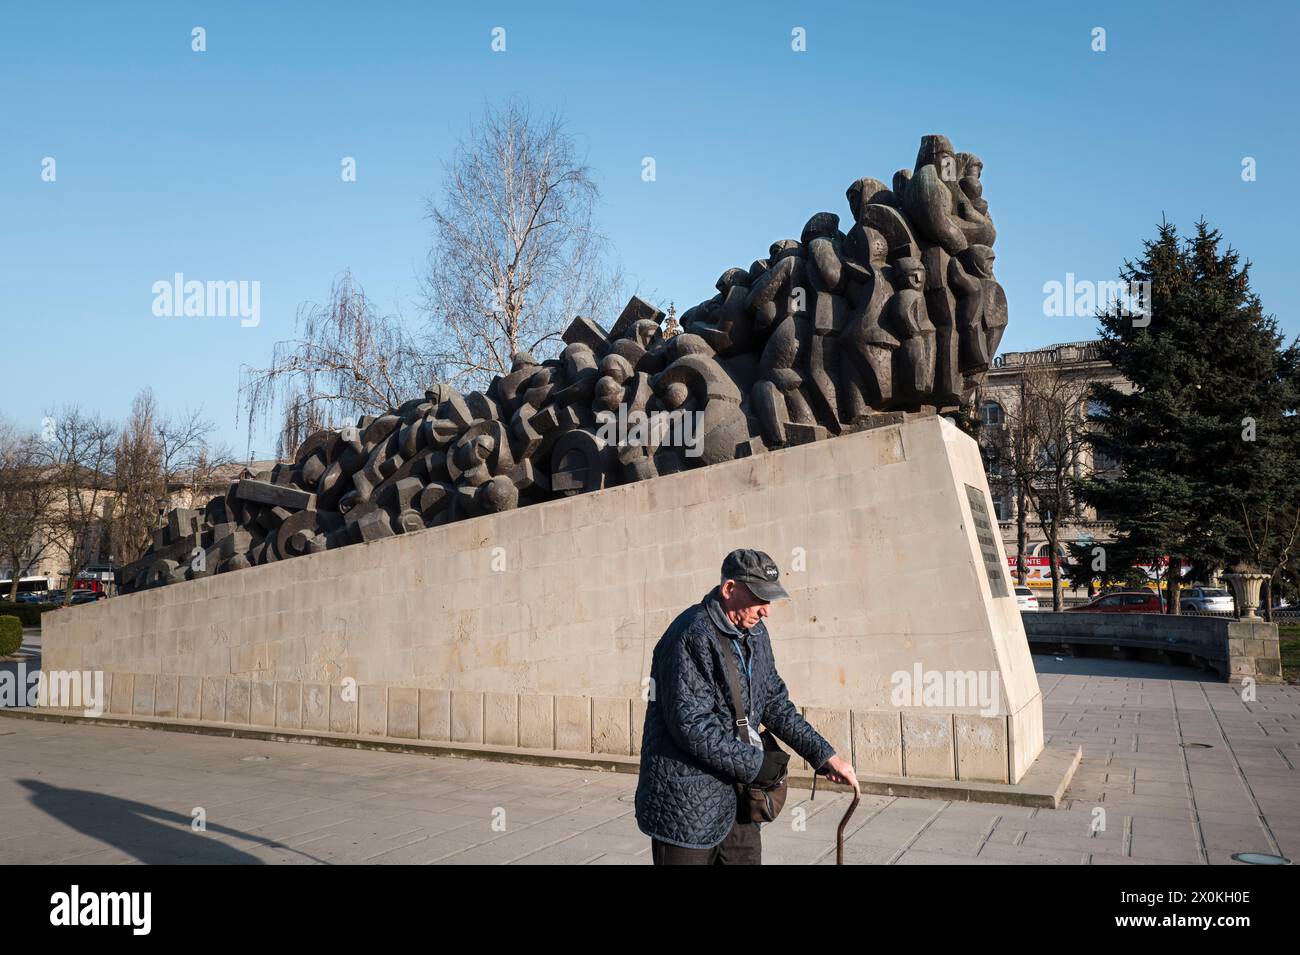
103 794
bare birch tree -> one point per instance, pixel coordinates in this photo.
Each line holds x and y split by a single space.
516 255
139 485
81 449
159 456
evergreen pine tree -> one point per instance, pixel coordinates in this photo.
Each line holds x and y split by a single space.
1207 443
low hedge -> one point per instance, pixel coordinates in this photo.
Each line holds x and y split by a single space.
29 615
1289 644
11 635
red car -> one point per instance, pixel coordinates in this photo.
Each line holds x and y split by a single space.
1123 601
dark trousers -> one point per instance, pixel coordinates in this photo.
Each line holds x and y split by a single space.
743 846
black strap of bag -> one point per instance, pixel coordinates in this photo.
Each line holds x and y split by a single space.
756 802
732 674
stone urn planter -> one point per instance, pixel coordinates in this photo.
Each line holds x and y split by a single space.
1246 586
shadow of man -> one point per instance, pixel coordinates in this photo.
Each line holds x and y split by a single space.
152 835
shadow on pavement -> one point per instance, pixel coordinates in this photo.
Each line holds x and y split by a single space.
1124 669
152 835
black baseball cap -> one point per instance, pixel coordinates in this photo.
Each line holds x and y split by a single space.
756 571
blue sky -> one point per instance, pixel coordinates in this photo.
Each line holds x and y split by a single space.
224 165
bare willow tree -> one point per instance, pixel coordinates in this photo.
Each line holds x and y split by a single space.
26 493
516 255
301 417
80 447
191 463
346 359
158 458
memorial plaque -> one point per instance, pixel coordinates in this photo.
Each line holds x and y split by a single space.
985 531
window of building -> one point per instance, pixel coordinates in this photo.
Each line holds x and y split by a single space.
1002 507
1049 456
995 466
992 415
1103 460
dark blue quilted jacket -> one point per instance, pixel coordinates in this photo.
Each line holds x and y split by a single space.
690 756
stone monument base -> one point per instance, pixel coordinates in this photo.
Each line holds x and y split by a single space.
532 629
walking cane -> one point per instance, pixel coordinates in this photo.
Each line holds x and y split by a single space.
839 833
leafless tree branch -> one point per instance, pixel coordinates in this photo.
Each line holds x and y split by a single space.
515 254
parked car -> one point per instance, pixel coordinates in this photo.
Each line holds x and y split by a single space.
80 595
1206 600
1124 601
31 598
1026 599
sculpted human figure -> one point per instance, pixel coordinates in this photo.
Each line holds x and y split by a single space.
820 239
869 344
935 203
968 288
914 359
972 188
824 266
866 191
777 397
977 262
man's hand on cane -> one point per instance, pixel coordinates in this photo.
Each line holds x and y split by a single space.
838 770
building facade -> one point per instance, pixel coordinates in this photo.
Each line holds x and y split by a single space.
44 566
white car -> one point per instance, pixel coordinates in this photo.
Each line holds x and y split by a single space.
1206 600
1026 599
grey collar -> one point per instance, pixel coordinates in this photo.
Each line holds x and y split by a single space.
713 604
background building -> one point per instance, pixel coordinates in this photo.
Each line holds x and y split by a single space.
49 570
1071 367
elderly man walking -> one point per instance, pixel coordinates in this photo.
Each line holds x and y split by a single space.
694 751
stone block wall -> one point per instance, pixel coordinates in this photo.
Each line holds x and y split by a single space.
1236 649
534 627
